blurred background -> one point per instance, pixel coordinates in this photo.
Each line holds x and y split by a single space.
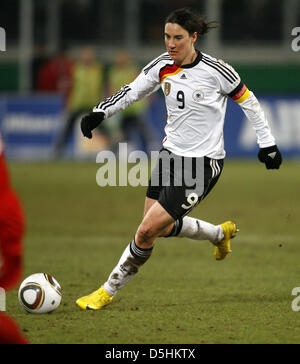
63 56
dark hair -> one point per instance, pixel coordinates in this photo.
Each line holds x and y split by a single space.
190 21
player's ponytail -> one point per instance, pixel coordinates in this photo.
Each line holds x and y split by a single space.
191 21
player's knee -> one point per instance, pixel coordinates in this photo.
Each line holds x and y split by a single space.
145 233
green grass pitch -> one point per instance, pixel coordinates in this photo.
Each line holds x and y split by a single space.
76 231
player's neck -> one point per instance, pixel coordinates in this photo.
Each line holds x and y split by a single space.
190 58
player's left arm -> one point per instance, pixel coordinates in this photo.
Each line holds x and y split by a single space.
230 84
268 150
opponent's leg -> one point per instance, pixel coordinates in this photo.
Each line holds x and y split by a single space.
10 333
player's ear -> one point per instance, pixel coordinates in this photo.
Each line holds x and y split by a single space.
194 37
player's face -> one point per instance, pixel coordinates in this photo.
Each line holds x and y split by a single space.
179 43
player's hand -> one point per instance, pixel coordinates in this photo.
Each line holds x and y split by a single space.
90 122
271 156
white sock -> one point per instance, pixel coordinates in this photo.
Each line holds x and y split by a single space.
200 230
131 260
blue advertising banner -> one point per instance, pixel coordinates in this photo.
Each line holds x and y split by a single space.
30 125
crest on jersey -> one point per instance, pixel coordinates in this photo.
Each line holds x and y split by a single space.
198 95
167 88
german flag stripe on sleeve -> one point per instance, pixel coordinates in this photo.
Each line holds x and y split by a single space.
240 93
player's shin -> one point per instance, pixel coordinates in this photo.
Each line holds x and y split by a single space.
189 227
131 260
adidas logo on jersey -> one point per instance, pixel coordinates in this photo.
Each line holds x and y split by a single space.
183 77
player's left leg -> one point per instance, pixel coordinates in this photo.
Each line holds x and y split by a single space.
206 172
218 235
188 227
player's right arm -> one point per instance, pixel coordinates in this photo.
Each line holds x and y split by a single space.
144 85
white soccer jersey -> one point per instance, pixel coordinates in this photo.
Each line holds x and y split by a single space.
196 97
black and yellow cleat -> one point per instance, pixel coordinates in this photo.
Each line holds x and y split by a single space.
95 300
222 249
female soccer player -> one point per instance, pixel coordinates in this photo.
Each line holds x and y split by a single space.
196 88
11 248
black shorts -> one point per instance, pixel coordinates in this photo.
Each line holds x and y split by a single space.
181 183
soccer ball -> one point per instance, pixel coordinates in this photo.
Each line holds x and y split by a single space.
40 293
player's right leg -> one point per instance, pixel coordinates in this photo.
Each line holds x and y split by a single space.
133 258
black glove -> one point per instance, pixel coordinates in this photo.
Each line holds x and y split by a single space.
90 122
271 156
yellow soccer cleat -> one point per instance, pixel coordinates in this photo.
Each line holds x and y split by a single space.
95 300
223 247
